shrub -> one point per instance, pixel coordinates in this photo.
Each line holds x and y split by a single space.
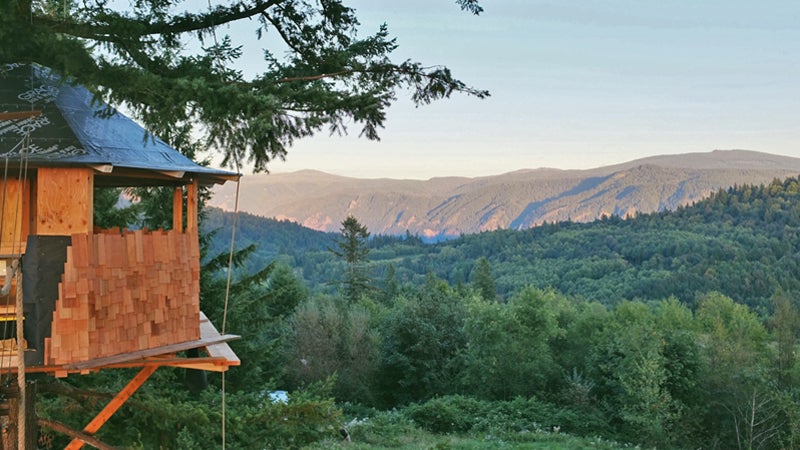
309 416
449 414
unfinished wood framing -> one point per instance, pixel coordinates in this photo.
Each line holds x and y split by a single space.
126 298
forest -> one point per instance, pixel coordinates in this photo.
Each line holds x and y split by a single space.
669 330
740 241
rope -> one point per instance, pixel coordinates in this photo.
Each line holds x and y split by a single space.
13 263
230 250
17 251
228 284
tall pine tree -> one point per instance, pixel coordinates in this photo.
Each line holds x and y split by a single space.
353 250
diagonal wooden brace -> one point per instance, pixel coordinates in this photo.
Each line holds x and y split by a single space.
114 405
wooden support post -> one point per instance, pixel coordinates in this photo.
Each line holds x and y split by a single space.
177 209
114 405
191 206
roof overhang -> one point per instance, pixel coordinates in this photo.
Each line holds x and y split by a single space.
46 121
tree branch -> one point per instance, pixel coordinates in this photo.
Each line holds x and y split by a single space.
75 434
315 77
187 22
286 38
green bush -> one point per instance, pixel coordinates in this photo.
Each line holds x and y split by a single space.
387 428
459 414
449 414
309 416
514 416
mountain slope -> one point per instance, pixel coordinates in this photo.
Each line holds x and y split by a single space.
448 207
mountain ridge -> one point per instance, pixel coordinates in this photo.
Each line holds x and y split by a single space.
445 207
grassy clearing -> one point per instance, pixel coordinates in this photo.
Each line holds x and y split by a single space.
392 430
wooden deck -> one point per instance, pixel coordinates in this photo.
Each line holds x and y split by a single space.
219 356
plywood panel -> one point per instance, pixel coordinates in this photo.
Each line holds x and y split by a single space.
64 201
15 220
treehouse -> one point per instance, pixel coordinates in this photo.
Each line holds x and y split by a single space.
91 298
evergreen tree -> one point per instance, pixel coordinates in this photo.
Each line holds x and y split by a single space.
390 288
110 212
353 249
785 322
322 76
483 280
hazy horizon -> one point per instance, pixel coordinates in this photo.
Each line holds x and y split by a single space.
480 175
574 85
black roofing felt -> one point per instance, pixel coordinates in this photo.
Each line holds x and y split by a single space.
72 131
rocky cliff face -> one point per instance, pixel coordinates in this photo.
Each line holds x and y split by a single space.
446 207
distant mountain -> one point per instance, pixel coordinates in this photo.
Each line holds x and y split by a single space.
447 207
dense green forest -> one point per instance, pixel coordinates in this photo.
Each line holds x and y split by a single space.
669 330
742 242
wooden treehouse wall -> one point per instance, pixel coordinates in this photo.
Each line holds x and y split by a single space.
86 295
125 292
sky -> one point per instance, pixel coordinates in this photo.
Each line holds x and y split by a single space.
577 84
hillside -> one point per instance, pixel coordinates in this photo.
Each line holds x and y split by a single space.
742 242
448 207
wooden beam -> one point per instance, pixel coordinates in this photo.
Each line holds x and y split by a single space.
177 209
113 406
172 173
102 168
223 350
191 207
17 115
220 350
140 354
218 364
199 363
61 428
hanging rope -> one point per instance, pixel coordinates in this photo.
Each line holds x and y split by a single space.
16 237
15 247
228 289
231 248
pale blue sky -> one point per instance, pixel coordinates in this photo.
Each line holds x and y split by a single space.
579 84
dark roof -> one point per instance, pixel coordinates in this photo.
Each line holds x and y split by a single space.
75 130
